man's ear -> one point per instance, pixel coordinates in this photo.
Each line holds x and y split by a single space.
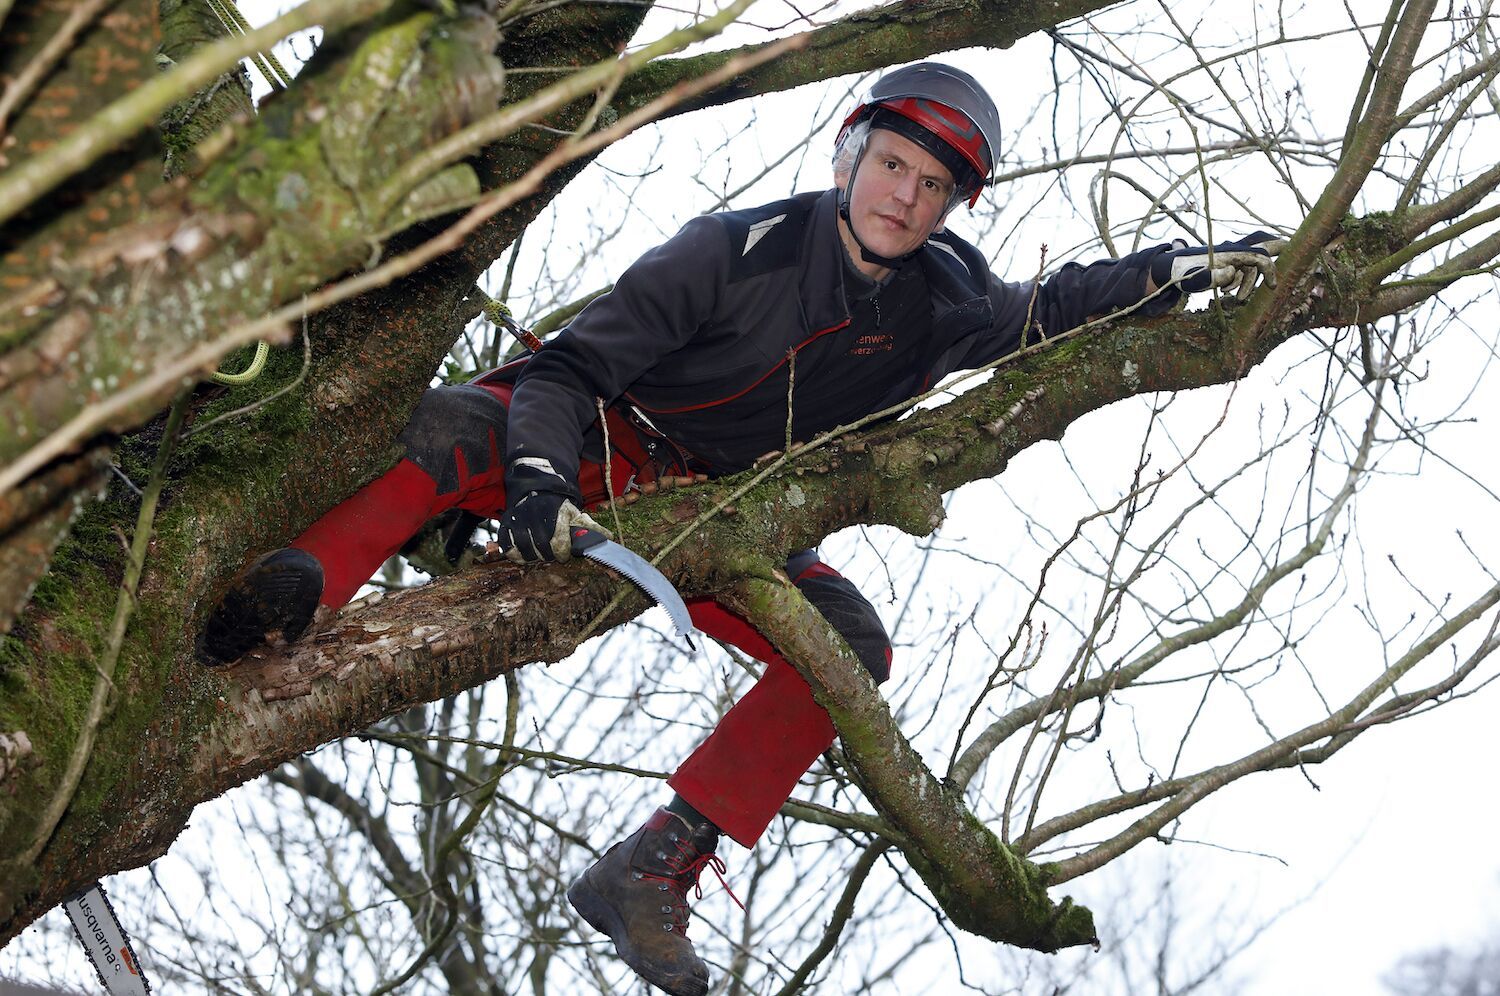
841 178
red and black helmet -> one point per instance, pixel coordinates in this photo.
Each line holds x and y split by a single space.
945 111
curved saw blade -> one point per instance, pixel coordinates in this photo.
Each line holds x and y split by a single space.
594 545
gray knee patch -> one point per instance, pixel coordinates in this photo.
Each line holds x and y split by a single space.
461 417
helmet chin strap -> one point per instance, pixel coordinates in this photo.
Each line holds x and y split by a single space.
866 253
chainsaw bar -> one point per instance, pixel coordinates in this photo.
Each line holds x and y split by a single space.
98 930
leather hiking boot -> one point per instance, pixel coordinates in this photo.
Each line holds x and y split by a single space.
274 599
637 894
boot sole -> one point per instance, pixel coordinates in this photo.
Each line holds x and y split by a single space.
277 595
600 915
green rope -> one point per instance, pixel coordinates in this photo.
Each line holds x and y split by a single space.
245 376
234 22
228 13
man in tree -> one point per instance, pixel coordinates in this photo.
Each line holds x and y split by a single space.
859 299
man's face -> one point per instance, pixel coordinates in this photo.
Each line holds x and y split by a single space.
899 197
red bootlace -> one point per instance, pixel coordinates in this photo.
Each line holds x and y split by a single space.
687 865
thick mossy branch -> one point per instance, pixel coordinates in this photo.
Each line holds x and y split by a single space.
283 211
289 207
234 482
248 483
211 730
186 26
199 733
35 518
114 54
868 40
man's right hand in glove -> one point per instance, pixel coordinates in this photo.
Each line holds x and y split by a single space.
540 513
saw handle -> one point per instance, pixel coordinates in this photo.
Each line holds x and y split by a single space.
586 539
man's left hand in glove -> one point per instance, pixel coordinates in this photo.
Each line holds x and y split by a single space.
1234 266
541 511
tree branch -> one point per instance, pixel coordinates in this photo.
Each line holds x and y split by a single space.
867 40
1273 754
21 185
1368 134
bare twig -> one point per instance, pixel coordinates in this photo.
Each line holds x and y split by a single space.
609 474
1191 790
838 919
1435 145
791 382
1367 136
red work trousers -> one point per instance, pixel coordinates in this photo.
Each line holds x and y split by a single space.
750 762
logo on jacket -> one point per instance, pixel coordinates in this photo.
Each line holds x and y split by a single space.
868 345
758 231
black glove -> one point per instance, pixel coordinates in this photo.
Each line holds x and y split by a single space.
1236 265
527 527
541 508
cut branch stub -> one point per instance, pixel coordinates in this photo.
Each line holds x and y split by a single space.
984 887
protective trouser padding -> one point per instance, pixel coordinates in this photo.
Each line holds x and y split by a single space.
455 431
454 443
748 766
850 613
